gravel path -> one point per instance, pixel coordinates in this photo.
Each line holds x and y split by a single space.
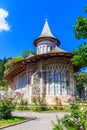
43 121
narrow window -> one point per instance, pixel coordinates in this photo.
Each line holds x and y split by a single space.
51 47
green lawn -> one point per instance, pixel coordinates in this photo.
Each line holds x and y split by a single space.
13 120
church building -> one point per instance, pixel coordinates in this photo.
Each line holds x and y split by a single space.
49 72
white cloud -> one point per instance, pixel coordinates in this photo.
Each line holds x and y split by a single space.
4 26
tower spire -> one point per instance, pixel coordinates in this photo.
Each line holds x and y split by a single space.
46 35
46 32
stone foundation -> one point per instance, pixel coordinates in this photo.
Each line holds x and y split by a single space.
52 99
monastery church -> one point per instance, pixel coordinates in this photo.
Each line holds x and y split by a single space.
49 72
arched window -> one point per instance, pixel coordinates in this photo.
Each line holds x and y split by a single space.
56 80
36 80
50 76
48 48
44 49
67 74
51 47
62 76
56 72
22 81
56 76
67 78
47 77
29 79
67 83
38 51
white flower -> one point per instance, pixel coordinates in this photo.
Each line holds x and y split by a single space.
69 114
81 108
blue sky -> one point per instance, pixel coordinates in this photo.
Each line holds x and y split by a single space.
21 21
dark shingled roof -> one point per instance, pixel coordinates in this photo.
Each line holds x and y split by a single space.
57 49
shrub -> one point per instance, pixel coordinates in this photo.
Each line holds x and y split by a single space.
58 126
40 103
22 104
6 107
77 119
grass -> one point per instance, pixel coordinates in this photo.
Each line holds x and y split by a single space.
13 120
3 88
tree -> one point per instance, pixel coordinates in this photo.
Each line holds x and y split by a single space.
80 30
6 67
80 56
17 58
10 62
85 10
2 68
7 105
81 81
26 53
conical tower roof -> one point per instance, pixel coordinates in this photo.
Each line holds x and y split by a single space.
46 34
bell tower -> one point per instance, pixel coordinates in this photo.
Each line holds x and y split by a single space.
46 41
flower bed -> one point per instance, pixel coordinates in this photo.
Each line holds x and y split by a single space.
77 120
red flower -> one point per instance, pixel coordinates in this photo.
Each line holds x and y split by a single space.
17 93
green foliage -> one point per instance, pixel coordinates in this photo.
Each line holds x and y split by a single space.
17 58
81 81
58 126
40 103
74 106
6 107
12 120
26 53
22 103
85 10
2 68
80 56
80 29
77 119
9 63
6 66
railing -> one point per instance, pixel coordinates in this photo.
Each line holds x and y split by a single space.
43 108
